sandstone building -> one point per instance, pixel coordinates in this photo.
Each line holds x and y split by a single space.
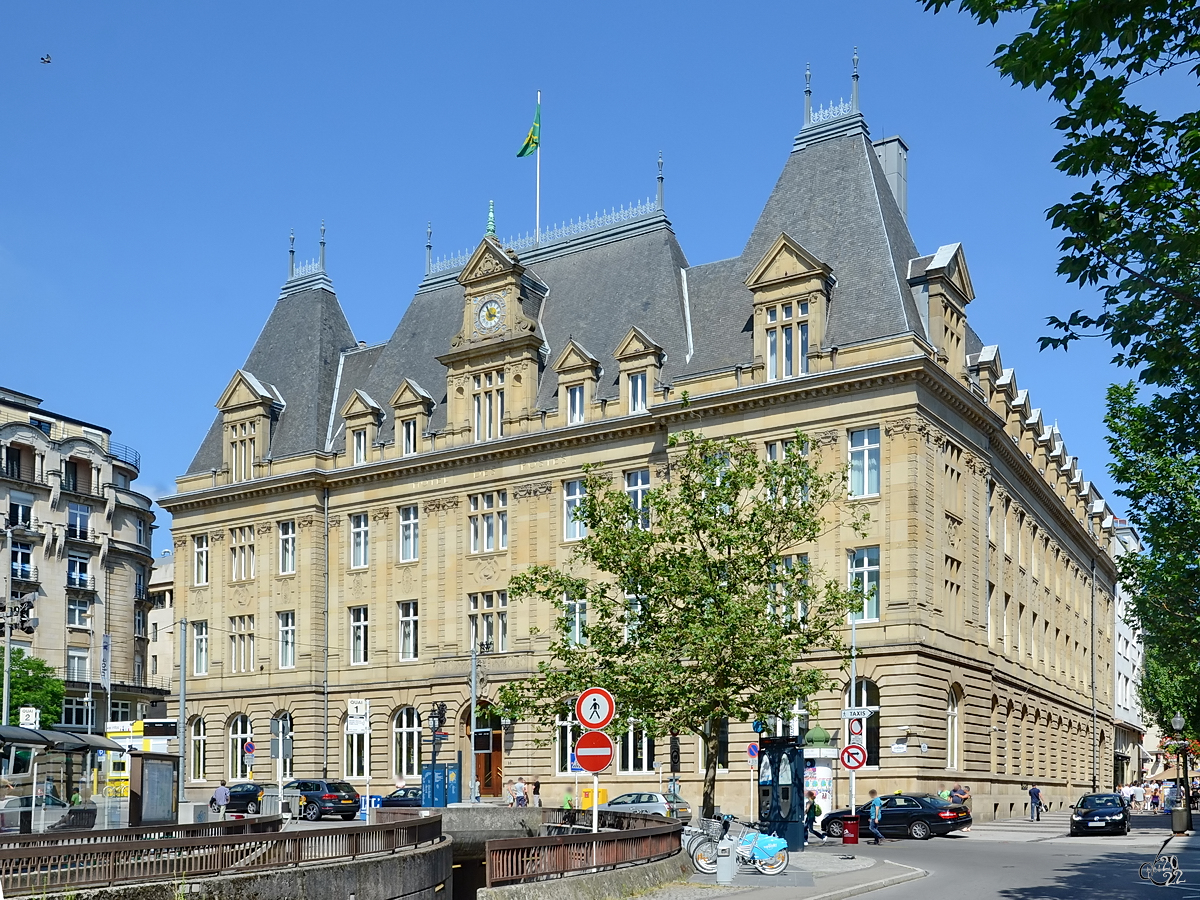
355 513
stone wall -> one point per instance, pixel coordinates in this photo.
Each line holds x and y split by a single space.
606 885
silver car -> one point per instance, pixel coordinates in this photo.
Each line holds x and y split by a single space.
670 805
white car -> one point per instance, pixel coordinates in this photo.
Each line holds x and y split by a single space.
670 805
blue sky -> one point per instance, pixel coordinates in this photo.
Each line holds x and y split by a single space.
149 175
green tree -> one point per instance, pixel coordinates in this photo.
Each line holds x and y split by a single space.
1168 687
699 605
33 683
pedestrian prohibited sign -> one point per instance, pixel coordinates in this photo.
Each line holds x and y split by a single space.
595 708
854 756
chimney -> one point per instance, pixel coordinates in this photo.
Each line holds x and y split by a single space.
893 156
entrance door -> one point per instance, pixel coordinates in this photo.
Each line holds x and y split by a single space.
489 751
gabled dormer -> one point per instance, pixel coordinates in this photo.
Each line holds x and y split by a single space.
944 289
363 417
578 373
249 408
791 289
640 360
411 405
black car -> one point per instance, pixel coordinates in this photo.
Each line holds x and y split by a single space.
405 796
244 798
918 815
324 798
1098 813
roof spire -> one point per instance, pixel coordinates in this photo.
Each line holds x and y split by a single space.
807 95
429 248
491 225
322 245
854 84
292 255
660 181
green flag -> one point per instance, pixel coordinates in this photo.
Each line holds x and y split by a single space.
535 134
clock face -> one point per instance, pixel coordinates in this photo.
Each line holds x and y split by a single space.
489 315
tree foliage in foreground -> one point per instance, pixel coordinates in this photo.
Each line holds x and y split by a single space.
1168 687
34 683
707 613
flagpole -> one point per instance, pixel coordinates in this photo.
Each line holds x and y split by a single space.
537 212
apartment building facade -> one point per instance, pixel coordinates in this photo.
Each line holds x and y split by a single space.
350 523
78 541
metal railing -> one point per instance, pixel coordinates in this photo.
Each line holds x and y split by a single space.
14 471
25 572
126 454
255 825
49 868
635 840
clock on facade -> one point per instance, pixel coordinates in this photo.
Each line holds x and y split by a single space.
489 314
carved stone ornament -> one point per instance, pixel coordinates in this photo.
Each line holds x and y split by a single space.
356 587
382 512
487 570
241 596
953 526
907 425
663 473
441 504
976 464
264 527
216 536
180 541
532 489
304 522
826 438
335 521
487 266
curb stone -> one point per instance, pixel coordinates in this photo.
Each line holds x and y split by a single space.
912 875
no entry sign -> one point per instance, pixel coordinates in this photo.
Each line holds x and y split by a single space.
854 756
595 708
594 751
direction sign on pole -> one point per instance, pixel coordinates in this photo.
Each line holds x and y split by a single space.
858 712
595 708
854 757
594 751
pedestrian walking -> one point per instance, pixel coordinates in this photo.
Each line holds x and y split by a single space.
519 793
537 791
510 793
875 810
1155 797
963 794
568 805
220 799
1138 795
811 810
1035 804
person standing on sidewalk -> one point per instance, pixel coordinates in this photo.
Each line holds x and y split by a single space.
220 799
1035 804
875 810
811 810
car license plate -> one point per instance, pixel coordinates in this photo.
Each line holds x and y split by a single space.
1096 824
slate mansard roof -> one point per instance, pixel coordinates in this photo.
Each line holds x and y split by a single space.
832 197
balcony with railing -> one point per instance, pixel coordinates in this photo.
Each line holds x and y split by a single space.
77 677
77 581
84 533
25 572
125 454
19 470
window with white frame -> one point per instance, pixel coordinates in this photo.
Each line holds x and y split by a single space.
141 531
408 437
575 613
122 711
200 560
241 643
792 725
573 526
864 576
77 712
139 623
20 509
200 648
488 620
77 570
575 404
241 553
359 436
787 340
489 521
722 747
488 399
406 743
240 734
952 737
409 534
637 392
242 451
864 462
567 731
79 518
633 612
22 560
78 664
287 547
287 639
636 751
359 541
356 759
359 636
637 486
409 629
866 693
198 750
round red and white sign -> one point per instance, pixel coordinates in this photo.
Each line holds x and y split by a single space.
854 756
595 708
856 725
594 751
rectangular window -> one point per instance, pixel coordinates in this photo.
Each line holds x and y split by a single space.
287 548
78 665
359 636
409 633
241 643
20 510
139 623
141 531
199 648
287 639
409 437
139 583
357 755
360 446
242 451
772 354
76 712
637 392
575 612
359 541
488 620
488 399
409 534
241 553
489 521
77 570
22 561
70 479
787 341
574 528
637 750
637 485
200 560
575 404
864 575
79 519
864 462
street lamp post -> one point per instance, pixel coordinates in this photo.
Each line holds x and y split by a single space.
1181 757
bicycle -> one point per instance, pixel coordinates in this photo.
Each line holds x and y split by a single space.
767 853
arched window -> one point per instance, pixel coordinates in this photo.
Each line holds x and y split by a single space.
866 693
566 732
952 736
356 759
240 734
285 737
199 741
636 749
406 743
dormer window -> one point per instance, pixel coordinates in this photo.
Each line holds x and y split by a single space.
408 437
787 340
488 398
575 404
637 392
360 445
242 440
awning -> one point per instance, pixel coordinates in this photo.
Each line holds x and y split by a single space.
24 737
71 742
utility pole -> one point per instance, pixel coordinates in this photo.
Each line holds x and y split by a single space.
1095 737
182 724
7 623
325 630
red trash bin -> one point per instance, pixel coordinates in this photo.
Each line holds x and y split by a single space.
849 829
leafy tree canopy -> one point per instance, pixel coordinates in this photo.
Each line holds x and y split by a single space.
1169 687
699 605
34 683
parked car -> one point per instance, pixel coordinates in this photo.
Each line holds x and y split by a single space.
1097 813
669 804
405 796
324 798
10 809
245 797
918 815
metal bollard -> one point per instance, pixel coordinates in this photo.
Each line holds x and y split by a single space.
725 859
